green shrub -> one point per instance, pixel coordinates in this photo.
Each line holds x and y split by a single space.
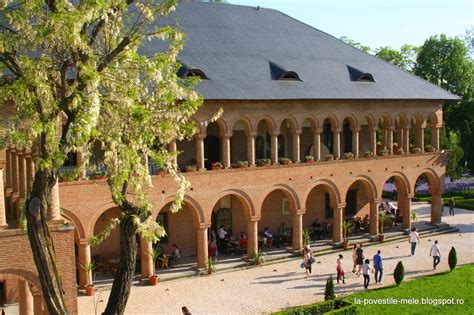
329 292
399 273
452 258
338 307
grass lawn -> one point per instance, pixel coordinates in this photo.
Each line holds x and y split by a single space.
458 284
460 202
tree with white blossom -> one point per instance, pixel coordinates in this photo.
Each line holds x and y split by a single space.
74 72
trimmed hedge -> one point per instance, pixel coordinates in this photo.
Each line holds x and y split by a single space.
338 307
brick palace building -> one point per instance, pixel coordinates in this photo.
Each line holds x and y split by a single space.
287 91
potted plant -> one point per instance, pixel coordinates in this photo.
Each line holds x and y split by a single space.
368 154
329 157
264 162
258 258
416 150
349 156
99 174
309 159
89 269
162 170
190 168
284 161
399 151
429 148
216 166
383 217
155 254
307 235
211 265
69 175
346 227
242 164
413 216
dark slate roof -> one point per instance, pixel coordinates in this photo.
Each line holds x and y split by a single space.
236 46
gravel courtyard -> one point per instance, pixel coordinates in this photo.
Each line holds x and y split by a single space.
272 287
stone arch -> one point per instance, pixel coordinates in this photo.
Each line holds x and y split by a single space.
293 122
270 123
245 121
386 119
335 125
331 188
368 183
289 191
243 197
354 123
371 120
403 119
402 178
312 120
417 118
198 214
77 222
21 274
433 119
434 181
222 124
91 224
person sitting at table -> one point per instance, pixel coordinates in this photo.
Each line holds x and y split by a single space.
283 235
174 256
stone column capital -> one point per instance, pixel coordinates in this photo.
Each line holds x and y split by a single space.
251 134
200 136
228 135
296 132
318 131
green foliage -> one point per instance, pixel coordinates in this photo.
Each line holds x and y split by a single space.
404 59
89 267
453 167
383 217
452 258
336 306
307 235
69 175
355 44
329 291
259 257
399 273
242 163
211 265
346 227
155 254
413 216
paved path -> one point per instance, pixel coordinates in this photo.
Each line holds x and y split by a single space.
272 287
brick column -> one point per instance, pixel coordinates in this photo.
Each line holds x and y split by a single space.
146 260
3 217
296 146
406 140
30 172
373 141
54 211
337 224
25 298
21 175
406 212
419 137
337 144
14 162
297 221
435 137
355 142
84 258
37 303
252 237
390 140
374 217
172 149
226 158
80 164
251 148
274 147
400 137
436 207
202 247
317 145
200 152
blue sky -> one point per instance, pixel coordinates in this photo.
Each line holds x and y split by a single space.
377 23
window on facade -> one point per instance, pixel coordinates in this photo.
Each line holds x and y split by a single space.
366 77
351 203
162 218
281 146
267 145
259 147
347 132
224 217
327 137
327 206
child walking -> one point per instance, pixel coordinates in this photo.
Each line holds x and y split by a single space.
366 272
340 270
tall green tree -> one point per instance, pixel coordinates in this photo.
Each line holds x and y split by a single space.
445 62
403 58
79 61
355 44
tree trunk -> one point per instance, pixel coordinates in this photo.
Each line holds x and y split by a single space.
41 242
123 278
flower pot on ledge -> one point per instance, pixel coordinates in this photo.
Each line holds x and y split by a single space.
153 280
381 238
90 290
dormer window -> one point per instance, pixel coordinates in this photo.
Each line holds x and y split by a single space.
357 75
187 72
279 73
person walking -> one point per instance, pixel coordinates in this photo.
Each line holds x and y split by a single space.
340 270
378 266
451 205
354 257
360 258
436 254
307 260
413 239
366 272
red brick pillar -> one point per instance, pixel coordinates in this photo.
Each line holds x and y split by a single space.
30 172
226 158
252 237
296 146
406 212
25 298
337 144
37 303
21 175
436 207
146 260
54 211
317 145
390 140
406 139
355 142
373 141
202 246
374 217
251 148
419 136
435 137
337 224
200 152
297 220
84 258
3 217
172 149
274 147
